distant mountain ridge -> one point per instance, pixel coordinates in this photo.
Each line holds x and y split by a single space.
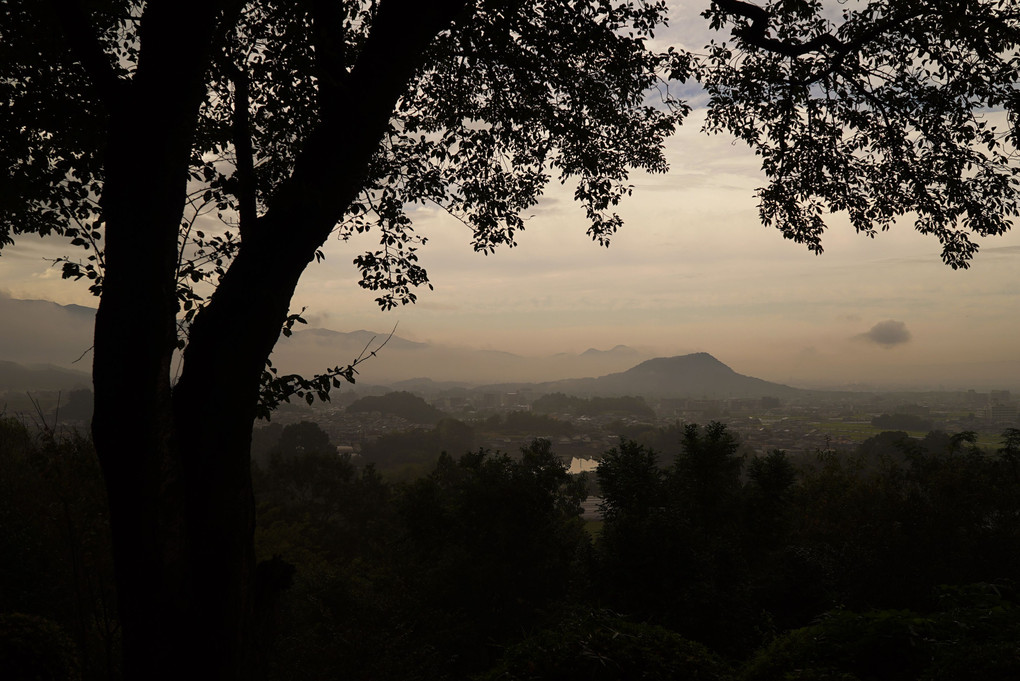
695 375
619 351
40 332
365 338
35 333
19 377
43 333
407 363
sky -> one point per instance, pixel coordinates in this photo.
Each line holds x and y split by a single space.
693 270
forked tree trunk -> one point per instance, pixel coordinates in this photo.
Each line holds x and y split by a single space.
177 460
176 465
181 594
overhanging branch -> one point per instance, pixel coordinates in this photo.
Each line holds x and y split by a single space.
86 47
757 32
329 170
330 51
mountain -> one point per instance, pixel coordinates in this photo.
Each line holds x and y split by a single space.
310 351
34 332
359 339
18 377
43 332
696 375
618 351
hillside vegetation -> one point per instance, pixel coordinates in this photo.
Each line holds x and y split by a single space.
894 562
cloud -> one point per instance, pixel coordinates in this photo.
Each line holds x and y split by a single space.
887 334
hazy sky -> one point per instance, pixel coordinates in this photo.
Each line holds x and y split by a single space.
692 270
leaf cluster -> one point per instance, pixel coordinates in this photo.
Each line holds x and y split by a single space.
892 110
507 96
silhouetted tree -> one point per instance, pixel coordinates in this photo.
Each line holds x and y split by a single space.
768 493
672 547
302 438
631 482
706 476
35 648
885 534
288 119
409 454
489 540
969 634
1010 451
879 114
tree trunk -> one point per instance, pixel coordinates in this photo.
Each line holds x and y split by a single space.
177 460
161 568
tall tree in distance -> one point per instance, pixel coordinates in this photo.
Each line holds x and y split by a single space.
124 121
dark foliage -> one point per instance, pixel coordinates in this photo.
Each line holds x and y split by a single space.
671 548
406 455
403 404
871 566
54 534
879 112
481 583
966 633
36 649
601 646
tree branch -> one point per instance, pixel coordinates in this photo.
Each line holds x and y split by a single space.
757 32
245 173
330 52
254 295
330 169
757 35
85 45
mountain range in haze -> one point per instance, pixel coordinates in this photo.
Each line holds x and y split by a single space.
15 376
39 332
312 350
61 331
697 375
42 332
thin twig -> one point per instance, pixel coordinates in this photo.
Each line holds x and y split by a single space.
87 351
